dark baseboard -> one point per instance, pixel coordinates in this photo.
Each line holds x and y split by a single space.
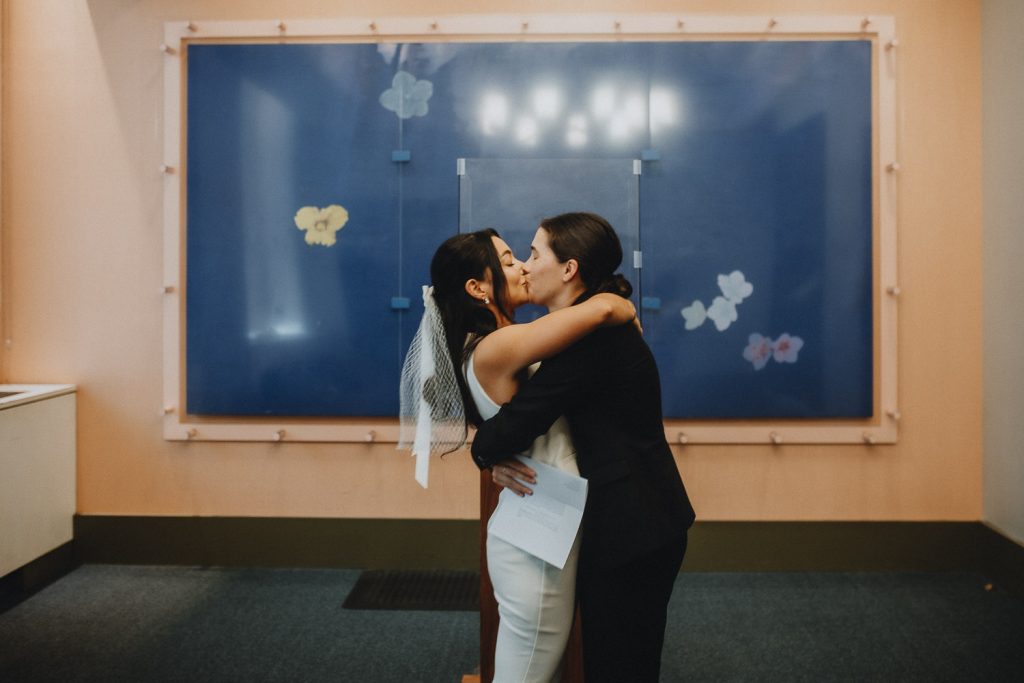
856 547
279 542
837 546
454 544
36 575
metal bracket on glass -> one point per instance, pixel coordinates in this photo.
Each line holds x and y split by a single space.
650 303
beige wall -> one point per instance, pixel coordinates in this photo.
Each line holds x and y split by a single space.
3 223
1003 104
82 140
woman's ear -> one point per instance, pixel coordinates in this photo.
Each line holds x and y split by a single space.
570 269
475 289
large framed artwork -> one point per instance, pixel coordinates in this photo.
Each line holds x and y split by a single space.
312 168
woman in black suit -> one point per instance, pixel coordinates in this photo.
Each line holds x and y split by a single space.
607 385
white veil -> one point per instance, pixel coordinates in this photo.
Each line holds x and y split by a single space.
433 419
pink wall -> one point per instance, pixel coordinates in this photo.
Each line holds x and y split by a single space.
82 140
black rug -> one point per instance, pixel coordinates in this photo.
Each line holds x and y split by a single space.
428 589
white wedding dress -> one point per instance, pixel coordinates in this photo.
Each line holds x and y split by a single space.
536 600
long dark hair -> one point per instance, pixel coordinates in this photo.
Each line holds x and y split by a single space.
466 319
592 242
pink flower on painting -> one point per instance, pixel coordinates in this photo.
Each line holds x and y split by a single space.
759 350
786 348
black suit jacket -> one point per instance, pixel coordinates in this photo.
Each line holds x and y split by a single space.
608 388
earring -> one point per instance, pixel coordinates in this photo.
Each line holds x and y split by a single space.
487 301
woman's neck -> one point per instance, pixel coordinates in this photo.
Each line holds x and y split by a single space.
565 297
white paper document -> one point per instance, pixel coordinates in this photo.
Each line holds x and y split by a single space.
544 524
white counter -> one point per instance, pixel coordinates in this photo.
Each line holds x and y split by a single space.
17 394
37 471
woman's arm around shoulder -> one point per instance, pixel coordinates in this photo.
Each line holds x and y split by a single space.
516 346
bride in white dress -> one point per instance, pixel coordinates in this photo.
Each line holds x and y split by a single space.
478 356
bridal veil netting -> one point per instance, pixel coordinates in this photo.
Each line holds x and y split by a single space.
433 419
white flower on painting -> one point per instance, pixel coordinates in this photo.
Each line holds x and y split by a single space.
759 350
695 315
735 287
787 348
320 225
407 96
723 313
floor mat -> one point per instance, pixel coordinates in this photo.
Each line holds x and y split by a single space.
429 589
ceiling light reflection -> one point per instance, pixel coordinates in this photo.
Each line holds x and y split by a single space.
664 108
526 131
493 113
602 102
636 111
547 102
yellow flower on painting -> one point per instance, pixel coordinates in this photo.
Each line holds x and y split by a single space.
321 224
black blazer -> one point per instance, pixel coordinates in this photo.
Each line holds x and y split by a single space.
608 388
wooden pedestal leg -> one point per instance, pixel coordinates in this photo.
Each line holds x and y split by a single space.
488 605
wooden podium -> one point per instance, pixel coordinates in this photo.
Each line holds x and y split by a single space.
572 660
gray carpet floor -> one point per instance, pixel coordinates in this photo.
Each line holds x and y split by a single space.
126 623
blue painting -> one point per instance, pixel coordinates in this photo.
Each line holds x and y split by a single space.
321 177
